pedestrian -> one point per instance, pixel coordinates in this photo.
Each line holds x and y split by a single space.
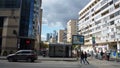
108 54
101 53
82 57
85 58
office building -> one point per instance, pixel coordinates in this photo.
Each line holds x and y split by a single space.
48 37
20 25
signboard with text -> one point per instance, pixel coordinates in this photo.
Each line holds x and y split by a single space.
77 40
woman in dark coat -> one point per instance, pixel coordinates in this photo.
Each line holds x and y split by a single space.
85 58
82 57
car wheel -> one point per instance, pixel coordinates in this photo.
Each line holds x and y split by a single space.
30 60
10 59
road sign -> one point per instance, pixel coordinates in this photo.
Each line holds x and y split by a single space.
77 40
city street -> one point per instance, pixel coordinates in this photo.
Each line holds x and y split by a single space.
94 63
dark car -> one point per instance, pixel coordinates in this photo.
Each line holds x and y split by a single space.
28 55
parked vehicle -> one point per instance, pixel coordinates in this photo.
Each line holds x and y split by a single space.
28 55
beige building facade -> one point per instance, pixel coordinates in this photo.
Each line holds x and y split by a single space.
61 36
71 29
10 20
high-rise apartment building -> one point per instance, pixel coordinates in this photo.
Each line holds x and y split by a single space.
61 36
101 19
71 29
20 25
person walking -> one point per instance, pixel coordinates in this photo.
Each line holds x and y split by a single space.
85 58
82 57
108 55
101 53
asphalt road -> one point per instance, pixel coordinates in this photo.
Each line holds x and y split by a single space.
60 64
39 64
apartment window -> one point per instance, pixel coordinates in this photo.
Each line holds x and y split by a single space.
112 29
92 9
112 22
97 28
112 36
104 13
98 16
105 25
104 7
86 40
92 30
86 18
103 2
91 35
97 11
106 18
111 9
98 22
111 16
116 13
116 6
119 11
111 2
90 25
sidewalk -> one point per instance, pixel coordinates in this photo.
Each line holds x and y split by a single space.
96 63
2 57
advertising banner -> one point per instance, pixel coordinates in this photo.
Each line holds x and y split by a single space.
78 40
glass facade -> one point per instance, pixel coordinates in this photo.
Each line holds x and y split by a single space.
10 3
26 20
30 31
29 13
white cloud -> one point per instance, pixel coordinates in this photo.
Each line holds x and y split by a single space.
44 21
59 12
43 37
56 24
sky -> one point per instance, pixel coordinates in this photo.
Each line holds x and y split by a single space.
56 14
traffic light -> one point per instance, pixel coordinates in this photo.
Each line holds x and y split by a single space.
27 41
